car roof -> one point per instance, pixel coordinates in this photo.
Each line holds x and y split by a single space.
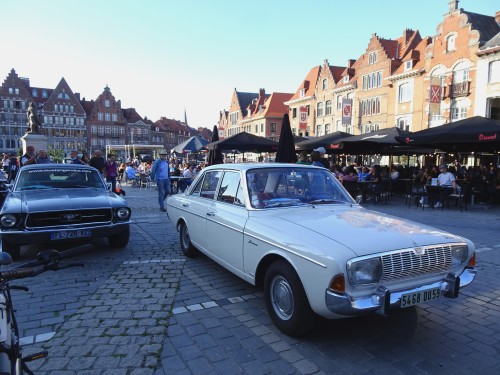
247 166
59 166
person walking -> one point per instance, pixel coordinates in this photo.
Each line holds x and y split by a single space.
111 171
97 161
161 175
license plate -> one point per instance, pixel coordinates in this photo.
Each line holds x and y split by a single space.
70 234
411 299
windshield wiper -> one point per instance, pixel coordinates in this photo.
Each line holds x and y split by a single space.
326 201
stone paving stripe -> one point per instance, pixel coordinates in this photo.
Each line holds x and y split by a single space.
29 340
483 249
210 304
153 261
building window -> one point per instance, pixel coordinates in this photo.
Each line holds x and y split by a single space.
107 117
372 80
256 128
450 43
100 116
114 117
272 127
328 109
11 90
403 124
62 95
405 93
319 109
372 58
327 129
106 103
346 79
325 84
408 65
458 110
339 103
56 107
262 128
93 129
370 106
34 93
294 112
44 94
302 93
460 74
494 72
319 131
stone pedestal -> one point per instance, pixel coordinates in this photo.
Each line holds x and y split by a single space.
38 141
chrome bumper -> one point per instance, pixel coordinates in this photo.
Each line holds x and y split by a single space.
383 299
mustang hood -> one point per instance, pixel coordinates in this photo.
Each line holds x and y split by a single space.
62 199
366 232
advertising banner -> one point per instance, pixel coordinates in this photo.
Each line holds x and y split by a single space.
303 118
435 96
346 111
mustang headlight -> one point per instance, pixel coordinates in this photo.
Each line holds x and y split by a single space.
8 220
122 213
459 255
366 271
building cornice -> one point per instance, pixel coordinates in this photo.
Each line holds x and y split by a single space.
410 74
343 89
299 100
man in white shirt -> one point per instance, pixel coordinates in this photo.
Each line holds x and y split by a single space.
446 183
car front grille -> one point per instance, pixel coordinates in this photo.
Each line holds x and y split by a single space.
409 264
68 218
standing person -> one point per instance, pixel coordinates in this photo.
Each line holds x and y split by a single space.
322 158
111 171
13 168
28 157
161 175
97 161
6 162
75 158
316 158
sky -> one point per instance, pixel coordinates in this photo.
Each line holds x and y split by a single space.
170 57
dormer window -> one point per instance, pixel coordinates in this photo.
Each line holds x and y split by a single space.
372 58
302 92
34 93
451 43
325 84
408 65
346 79
44 93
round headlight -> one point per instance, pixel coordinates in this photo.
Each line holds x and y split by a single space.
8 220
123 213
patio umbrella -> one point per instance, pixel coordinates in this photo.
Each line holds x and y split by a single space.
193 144
327 141
245 142
379 141
473 134
286 145
215 155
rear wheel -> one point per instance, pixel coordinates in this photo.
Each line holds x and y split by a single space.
286 300
187 247
120 240
13 249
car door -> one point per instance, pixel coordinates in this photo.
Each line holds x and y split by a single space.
197 205
226 221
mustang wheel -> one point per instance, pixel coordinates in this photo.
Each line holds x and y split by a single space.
120 240
187 247
13 249
286 300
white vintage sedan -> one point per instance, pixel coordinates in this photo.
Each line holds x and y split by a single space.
294 230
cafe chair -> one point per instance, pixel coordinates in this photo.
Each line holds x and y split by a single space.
458 197
415 193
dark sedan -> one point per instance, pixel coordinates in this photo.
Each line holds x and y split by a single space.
54 203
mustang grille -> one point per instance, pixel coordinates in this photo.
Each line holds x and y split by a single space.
61 218
409 264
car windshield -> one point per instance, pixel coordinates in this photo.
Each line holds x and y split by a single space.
289 186
54 178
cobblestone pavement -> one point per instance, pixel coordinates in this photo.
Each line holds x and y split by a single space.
148 310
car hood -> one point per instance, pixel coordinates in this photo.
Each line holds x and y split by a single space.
363 231
61 199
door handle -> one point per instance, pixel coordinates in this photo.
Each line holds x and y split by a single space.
211 213
185 205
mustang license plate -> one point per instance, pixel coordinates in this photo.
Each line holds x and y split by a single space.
411 299
70 234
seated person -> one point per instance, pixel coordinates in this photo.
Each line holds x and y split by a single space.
130 173
189 176
447 184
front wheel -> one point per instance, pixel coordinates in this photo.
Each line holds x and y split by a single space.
120 240
12 248
286 300
187 247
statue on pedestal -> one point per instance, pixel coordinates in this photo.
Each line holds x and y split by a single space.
34 123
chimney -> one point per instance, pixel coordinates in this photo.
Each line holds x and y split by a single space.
453 6
77 94
350 63
262 92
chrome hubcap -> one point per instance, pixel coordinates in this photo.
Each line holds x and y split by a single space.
185 237
282 297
